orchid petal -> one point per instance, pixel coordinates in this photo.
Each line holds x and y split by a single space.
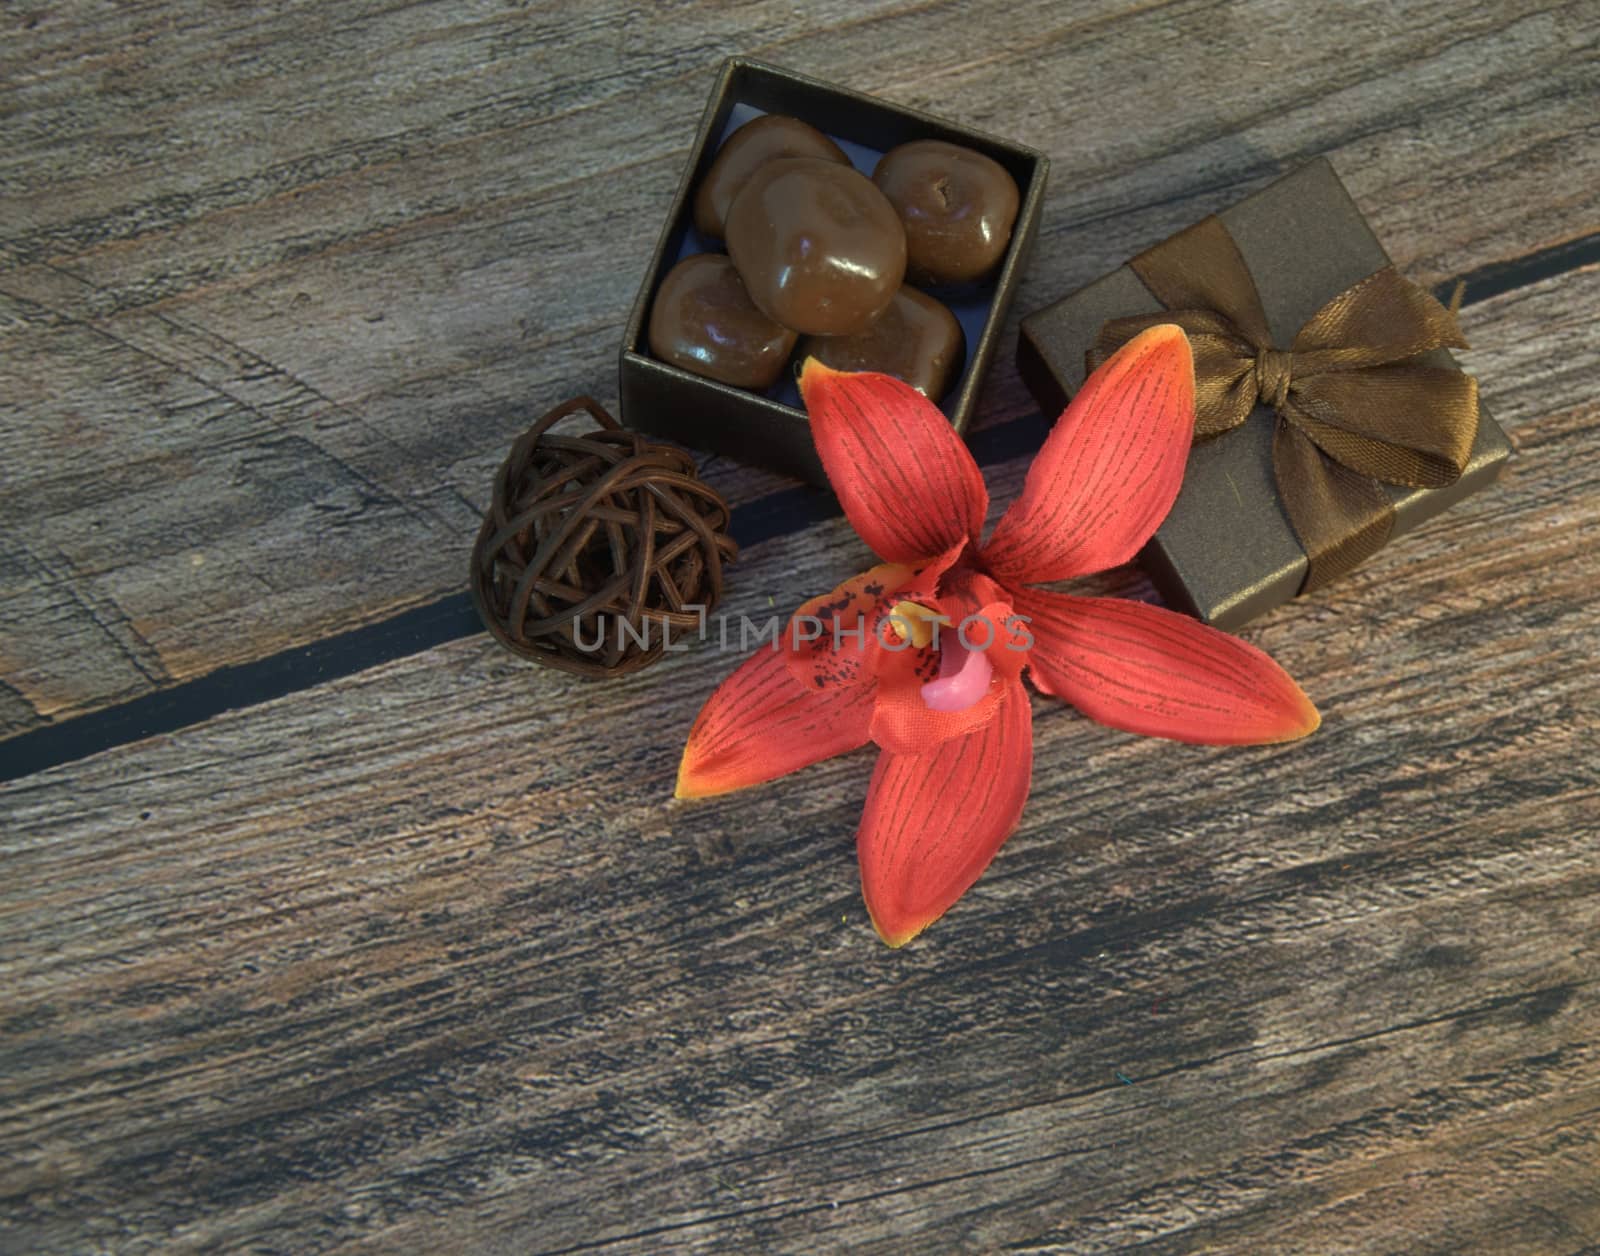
1000 632
827 638
1110 469
1155 672
761 723
906 481
830 637
933 822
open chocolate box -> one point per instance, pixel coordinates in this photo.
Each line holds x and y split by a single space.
770 429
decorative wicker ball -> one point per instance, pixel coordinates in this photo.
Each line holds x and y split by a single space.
594 544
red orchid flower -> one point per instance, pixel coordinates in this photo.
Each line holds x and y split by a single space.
924 653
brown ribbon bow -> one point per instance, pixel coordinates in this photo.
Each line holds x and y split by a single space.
1352 411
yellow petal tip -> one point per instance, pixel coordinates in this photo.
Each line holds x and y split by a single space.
814 371
692 788
683 791
1308 720
683 787
1313 718
892 939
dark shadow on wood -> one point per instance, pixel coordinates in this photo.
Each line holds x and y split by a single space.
450 619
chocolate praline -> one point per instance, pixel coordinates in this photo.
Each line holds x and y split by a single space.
704 321
915 339
958 207
819 247
767 138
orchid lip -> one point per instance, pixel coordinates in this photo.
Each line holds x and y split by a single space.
964 677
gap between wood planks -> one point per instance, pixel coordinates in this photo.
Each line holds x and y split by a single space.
453 618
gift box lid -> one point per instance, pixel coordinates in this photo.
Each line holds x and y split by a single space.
1228 551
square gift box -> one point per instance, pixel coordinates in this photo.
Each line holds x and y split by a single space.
1230 549
770 429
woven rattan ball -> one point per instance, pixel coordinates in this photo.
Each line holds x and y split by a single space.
593 545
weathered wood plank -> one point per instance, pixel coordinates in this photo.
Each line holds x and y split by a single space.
422 958
269 315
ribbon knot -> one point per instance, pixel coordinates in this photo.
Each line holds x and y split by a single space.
1273 371
1356 411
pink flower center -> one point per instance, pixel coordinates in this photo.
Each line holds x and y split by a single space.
963 676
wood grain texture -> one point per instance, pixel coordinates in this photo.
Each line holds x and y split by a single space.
423 960
279 284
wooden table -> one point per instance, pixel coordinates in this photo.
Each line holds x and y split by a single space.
328 926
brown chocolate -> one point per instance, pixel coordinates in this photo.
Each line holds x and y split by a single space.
704 321
915 339
767 138
958 207
818 246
